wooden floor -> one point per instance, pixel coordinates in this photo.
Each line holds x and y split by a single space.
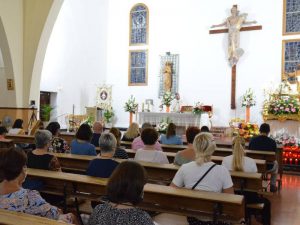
285 206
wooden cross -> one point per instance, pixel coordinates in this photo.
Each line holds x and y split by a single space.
233 69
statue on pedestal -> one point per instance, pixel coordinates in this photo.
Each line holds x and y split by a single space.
168 77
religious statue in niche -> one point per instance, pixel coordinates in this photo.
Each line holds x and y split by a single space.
168 73
234 24
168 77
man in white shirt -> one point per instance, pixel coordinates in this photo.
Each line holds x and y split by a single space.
176 103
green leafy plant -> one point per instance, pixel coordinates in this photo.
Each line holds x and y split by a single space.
108 115
198 108
46 112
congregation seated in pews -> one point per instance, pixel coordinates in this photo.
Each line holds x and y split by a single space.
111 143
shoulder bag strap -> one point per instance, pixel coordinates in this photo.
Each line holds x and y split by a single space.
204 175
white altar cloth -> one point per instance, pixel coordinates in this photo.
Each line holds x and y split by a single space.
180 119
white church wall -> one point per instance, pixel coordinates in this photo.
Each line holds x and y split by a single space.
75 61
182 27
89 45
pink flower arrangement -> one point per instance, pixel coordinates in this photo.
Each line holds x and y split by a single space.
279 106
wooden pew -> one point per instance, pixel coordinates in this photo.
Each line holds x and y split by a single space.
260 163
156 197
18 218
162 173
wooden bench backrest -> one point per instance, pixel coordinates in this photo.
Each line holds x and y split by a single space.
18 218
159 172
260 163
156 197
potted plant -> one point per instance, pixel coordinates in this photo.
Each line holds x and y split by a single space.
248 101
46 112
108 115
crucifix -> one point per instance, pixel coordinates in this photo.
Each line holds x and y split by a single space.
233 26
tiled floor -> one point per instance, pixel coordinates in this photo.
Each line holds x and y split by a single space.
285 206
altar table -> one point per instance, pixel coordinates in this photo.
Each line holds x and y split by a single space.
180 119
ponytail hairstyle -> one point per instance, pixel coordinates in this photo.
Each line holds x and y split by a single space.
204 146
238 154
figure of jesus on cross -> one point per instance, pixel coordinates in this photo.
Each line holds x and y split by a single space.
234 25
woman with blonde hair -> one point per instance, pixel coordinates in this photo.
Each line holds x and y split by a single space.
202 174
131 133
238 161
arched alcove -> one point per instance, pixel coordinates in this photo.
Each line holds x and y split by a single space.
7 97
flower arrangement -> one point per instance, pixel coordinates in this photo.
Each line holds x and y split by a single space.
163 125
108 115
198 108
167 98
131 105
248 130
248 99
281 106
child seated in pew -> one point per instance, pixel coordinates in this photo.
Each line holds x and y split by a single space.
120 153
13 197
239 162
202 174
170 138
104 165
148 153
124 192
187 155
81 144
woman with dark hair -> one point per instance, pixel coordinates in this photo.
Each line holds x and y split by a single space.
120 152
170 138
187 155
81 145
149 153
57 144
13 197
124 192
17 127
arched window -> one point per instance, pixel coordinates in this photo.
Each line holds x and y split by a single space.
139 24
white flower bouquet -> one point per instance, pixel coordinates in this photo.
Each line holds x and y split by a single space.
167 98
248 99
131 105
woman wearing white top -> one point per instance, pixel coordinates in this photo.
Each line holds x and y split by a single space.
218 179
238 161
148 153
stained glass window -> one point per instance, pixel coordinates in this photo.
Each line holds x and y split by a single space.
291 56
291 19
138 67
139 25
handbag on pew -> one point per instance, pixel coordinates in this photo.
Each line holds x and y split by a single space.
195 221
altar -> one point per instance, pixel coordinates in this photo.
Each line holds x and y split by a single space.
179 119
